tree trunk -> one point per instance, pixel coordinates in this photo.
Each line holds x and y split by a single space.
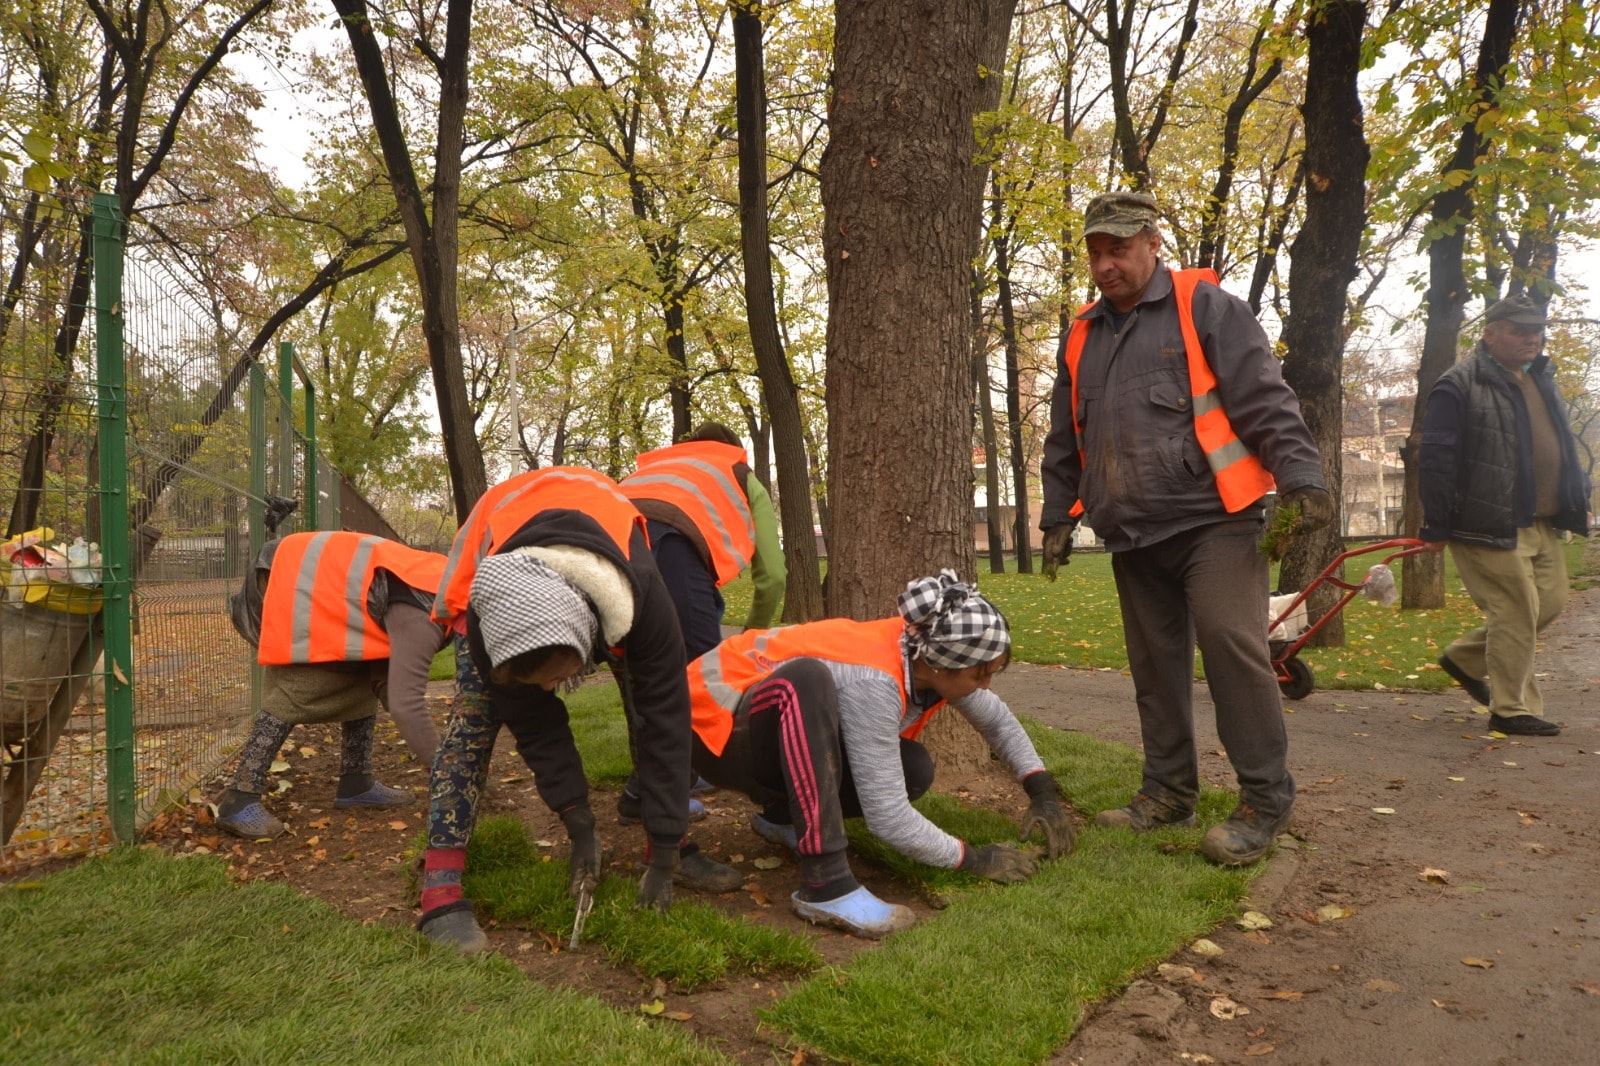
897 244
1423 575
802 600
1019 460
1250 87
432 244
1267 257
991 442
1322 263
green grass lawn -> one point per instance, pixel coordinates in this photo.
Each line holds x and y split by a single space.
1017 965
139 957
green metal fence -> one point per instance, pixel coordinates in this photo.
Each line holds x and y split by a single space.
134 419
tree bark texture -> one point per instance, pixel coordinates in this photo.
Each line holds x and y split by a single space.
1423 575
802 600
433 244
897 238
1322 263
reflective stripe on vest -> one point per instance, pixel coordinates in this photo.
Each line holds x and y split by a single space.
720 677
1241 479
700 479
510 505
315 607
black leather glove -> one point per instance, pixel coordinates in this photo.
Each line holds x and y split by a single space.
1005 863
1316 506
1057 549
584 859
1047 814
655 888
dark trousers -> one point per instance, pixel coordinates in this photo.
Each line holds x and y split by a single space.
693 589
785 754
1205 585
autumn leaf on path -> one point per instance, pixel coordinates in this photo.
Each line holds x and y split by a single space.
1436 876
1255 1050
1332 912
1481 964
398 825
1254 920
1225 1009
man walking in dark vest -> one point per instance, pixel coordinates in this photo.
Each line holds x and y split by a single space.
1169 422
1499 480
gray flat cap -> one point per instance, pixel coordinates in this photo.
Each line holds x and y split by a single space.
1518 310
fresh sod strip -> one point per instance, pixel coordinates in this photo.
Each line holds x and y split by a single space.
1017 964
138 957
510 880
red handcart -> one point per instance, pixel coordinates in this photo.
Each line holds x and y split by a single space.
1294 676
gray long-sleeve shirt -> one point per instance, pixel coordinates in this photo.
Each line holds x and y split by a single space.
1143 476
871 715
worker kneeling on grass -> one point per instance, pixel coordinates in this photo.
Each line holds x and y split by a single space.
552 570
819 722
341 623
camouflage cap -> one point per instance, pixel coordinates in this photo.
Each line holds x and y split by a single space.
1121 214
1518 310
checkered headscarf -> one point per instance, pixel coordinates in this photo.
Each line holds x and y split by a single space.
522 604
950 624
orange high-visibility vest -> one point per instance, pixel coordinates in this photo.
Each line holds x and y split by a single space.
720 677
704 480
315 608
1241 479
510 505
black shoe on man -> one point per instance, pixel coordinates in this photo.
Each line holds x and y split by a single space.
1524 725
1246 836
1476 687
1146 813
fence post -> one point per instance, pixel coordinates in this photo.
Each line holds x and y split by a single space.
313 515
258 499
116 576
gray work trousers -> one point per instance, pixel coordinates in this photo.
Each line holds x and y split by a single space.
1207 584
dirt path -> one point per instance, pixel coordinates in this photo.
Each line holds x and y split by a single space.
1512 821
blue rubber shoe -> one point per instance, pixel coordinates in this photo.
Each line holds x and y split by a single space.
252 821
776 832
379 795
858 913
629 809
701 786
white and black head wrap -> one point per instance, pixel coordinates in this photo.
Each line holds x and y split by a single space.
950 624
522 604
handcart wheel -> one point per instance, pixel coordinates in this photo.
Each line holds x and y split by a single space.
1301 680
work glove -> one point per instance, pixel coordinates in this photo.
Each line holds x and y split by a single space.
1316 506
584 859
1057 550
655 888
1005 863
1047 814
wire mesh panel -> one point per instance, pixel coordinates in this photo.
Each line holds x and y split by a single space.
52 722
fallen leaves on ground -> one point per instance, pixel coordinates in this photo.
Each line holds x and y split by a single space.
1174 972
767 863
1287 994
1333 912
1255 1050
1588 988
654 1007
1378 984
397 825
1383 810
1254 920
1477 963
1205 948
1434 875
1225 1009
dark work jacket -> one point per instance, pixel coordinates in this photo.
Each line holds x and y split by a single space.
1476 459
1143 477
650 671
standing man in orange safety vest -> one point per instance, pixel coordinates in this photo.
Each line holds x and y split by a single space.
1169 422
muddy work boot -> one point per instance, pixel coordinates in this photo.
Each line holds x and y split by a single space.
1146 813
701 872
453 925
858 913
377 794
1246 836
243 815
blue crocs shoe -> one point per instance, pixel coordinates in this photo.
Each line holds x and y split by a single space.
858 913
379 795
252 821
629 809
776 832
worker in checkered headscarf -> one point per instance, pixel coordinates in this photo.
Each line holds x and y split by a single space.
820 722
